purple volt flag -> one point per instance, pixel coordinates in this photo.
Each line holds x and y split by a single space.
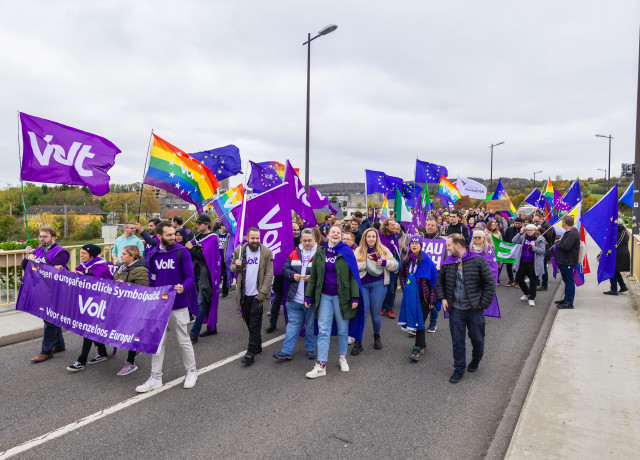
59 154
270 212
299 198
318 201
211 253
121 315
559 204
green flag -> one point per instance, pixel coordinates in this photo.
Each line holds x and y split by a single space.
506 252
401 209
426 199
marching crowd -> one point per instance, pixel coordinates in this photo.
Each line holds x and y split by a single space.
340 273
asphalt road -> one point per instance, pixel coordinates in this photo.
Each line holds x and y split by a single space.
386 406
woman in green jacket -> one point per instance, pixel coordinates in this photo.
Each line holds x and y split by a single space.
132 270
334 291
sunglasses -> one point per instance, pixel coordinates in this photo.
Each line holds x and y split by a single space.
478 237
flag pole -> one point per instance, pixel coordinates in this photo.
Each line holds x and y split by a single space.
366 200
144 174
24 205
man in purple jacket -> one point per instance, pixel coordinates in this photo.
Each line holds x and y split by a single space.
170 264
51 253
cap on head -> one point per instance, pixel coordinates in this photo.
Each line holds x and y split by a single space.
203 219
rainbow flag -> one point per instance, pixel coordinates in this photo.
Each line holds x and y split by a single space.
447 192
548 192
223 205
384 211
178 173
279 168
501 194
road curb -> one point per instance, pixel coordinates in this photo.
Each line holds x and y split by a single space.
503 434
21 336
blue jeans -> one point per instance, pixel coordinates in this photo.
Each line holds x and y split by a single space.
569 284
433 315
373 294
299 315
328 310
617 279
459 321
202 308
52 338
390 299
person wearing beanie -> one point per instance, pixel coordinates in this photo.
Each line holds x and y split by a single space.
417 276
91 265
531 261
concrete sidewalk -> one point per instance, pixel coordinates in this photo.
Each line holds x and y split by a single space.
16 326
584 400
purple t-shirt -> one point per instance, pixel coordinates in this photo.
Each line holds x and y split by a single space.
330 283
369 278
527 250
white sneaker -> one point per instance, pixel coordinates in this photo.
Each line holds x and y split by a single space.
150 384
316 372
532 303
351 340
524 297
190 379
344 367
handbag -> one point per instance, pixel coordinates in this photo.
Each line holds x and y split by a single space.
373 269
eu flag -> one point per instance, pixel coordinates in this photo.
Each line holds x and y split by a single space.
627 198
410 192
600 221
535 198
429 172
262 178
572 195
379 182
223 162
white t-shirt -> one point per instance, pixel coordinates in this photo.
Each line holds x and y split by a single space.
251 274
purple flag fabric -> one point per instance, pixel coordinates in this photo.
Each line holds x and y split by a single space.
436 249
211 253
490 256
270 212
59 154
299 197
419 218
121 315
318 201
558 203
262 178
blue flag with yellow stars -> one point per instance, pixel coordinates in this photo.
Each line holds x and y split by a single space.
409 192
224 161
429 172
601 223
379 182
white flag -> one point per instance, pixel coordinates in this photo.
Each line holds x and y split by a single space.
472 188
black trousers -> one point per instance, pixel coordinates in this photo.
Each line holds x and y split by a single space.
278 293
420 335
527 269
86 348
223 275
252 315
509 271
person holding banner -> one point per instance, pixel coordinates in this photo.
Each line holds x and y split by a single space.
51 253
417 276
253 262
530 264
132 270
170 264
334 291
91 265
375 264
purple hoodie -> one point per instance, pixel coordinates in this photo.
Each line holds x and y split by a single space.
95 267
165 271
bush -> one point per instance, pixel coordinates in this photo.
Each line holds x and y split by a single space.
14 245
90 231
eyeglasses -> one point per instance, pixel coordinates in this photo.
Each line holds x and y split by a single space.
478 237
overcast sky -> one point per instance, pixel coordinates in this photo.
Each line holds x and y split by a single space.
438 80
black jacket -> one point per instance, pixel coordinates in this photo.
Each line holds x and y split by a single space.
479 282
623 258
568 248
292 266
458 228
549 235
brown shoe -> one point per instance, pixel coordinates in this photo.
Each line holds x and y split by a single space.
58 349
516 285
42 357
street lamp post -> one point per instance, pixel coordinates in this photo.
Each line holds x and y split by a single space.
491 147
605 173
609 168
535 184
328 29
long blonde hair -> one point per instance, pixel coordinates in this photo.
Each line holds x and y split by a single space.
361 251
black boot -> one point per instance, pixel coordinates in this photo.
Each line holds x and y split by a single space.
357 348
377 343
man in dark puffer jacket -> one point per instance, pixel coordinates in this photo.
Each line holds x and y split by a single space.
465 287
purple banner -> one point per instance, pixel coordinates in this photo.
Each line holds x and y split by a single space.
436 249
211 254
118 314
59 154
299 199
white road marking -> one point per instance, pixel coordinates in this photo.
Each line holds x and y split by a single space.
118 407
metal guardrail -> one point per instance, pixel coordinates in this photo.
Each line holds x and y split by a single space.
11 269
